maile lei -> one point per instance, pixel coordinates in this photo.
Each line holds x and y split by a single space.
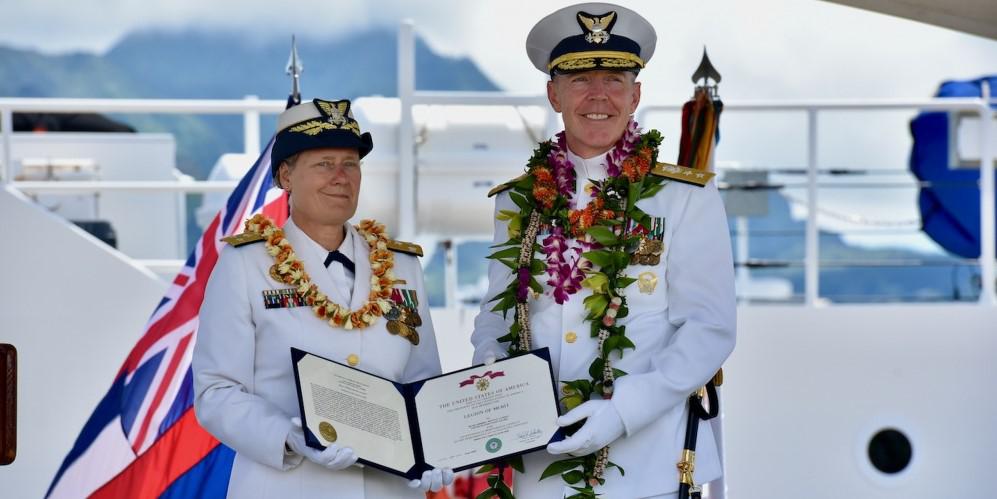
289 269
545 197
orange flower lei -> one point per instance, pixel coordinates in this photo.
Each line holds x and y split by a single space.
289 269
634 167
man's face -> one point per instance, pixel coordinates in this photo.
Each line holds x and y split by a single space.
324 185
595 106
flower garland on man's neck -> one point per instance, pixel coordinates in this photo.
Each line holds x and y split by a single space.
598 261
289 269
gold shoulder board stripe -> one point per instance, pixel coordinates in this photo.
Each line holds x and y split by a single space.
244 238
504 186
682 174
402 246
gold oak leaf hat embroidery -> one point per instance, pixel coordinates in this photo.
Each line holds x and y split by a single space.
317 124
591 36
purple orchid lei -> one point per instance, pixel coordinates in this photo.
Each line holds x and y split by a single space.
565 266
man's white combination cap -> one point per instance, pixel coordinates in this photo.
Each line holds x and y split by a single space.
590 36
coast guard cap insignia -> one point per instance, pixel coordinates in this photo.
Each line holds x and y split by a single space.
334 112
596 27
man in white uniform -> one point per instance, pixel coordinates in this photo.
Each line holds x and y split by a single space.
666 314
315 286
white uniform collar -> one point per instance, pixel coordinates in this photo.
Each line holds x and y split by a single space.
345 247
592 168
313 255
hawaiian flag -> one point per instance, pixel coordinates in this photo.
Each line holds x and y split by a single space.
143 440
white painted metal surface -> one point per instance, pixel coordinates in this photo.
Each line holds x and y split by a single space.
73 307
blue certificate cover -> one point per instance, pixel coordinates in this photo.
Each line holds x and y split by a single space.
458 420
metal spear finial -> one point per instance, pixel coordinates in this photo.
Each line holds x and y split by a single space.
294 69
706 71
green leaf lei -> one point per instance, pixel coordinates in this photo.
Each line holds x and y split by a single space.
606 278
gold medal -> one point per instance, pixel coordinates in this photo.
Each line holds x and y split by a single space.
646 282
274 274
411 317
482 384
648 252
416 318
328 431
399 328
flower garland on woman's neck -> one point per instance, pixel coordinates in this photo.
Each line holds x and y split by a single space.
289 269
604 242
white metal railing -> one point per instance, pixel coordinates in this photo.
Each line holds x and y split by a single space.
409 97
88 186
251 108
811 262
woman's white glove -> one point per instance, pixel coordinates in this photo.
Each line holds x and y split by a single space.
603 425
433 480
334 457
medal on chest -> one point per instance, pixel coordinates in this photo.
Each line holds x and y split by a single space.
403 316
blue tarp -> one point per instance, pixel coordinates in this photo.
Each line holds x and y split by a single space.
950 208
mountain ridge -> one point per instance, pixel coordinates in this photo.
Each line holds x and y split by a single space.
197 64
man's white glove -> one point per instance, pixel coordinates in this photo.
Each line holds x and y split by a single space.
433 480
602 427
334 457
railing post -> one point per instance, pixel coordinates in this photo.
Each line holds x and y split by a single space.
406 131
987 296
450 272
743 274
811 263
7 122
251 127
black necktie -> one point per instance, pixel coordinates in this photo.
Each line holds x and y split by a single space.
336 256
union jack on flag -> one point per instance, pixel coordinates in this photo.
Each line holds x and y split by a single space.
143 440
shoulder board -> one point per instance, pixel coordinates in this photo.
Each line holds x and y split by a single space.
244 238
504 186
403 247
682 174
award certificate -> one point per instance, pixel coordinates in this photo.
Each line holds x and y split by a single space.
457 420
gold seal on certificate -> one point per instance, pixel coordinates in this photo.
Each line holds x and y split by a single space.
327 431
458 420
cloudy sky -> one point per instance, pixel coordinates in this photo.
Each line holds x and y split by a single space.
765 49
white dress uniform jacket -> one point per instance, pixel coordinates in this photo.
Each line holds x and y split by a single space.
683 331
244 383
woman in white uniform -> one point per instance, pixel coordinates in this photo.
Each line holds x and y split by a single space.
319 285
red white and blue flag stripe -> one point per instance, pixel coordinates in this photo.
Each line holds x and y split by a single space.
143 440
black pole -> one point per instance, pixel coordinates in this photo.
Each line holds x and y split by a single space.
691 432
697 413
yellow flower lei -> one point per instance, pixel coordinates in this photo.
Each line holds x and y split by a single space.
289 269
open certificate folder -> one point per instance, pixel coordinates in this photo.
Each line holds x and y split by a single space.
457 420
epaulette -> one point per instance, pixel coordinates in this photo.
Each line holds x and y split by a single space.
244 239
403 247
682 174
506 185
